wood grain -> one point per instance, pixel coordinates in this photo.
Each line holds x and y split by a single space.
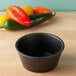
62 25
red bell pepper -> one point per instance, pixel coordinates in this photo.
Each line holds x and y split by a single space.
17 14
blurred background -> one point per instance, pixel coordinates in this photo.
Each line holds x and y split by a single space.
55 5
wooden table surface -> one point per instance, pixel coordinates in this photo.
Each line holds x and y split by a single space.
62 25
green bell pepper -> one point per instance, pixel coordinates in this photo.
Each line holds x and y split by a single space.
34 20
